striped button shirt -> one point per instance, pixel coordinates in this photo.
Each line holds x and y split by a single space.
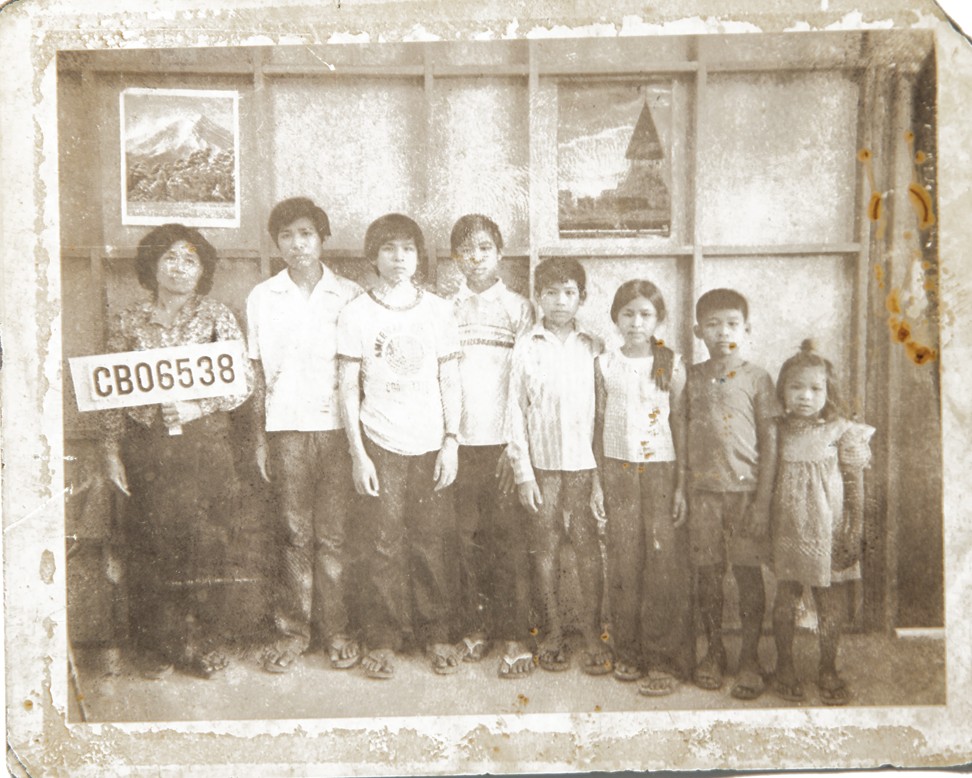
551 403
489 324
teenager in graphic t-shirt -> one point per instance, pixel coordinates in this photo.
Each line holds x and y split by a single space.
398 347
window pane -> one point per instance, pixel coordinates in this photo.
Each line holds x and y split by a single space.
606 274
777 159
353 145
479 156
791 298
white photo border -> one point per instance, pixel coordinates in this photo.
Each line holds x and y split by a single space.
39 737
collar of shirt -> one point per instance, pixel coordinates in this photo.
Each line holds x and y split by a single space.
493 293
184 314
540 332
282 283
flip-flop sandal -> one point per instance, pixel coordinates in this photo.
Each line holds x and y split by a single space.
439 657
341 645
204 665
279 661
597 662
156 671
384 668
658 683
473 649
748 686
793 692
509 661
554 660
708 674
834 693
626 673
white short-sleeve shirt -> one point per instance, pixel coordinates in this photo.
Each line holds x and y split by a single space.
295 339
400 350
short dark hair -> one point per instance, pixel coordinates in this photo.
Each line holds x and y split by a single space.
559 270
392 226
160 240
808 356
721 300
288 211
471 223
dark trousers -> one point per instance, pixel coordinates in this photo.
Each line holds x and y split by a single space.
178 525
567 493
312 475
493 555
407 531
649 573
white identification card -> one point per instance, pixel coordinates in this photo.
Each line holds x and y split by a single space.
161 375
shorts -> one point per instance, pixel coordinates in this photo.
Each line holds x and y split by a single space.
716 536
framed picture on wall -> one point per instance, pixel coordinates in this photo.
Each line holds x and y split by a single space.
180 157
614 158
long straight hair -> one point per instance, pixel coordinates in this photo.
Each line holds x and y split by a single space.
664 357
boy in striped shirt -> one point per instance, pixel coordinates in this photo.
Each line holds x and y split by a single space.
551 431
493 560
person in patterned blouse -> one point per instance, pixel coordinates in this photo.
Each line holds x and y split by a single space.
174 462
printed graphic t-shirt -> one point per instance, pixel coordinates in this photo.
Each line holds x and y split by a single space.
400 350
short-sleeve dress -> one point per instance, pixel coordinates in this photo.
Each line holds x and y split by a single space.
808 502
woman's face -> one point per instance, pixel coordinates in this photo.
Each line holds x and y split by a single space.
179 269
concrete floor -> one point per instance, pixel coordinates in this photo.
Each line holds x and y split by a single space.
880 670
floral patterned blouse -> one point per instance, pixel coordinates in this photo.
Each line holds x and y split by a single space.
200 320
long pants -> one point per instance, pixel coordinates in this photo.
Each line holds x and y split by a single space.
649 574
312 475
566 493
177 528
493 555
407 530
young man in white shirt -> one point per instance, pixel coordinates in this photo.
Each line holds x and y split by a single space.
301 446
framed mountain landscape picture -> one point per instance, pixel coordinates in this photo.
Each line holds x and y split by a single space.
614 159
180 157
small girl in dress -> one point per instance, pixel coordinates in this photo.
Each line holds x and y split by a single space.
818 515
638 442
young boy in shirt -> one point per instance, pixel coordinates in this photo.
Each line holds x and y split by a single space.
399 353
493 560
301 445
551 431
731 468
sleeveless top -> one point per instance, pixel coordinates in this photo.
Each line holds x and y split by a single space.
636 411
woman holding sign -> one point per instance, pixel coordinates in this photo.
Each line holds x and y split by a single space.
174 459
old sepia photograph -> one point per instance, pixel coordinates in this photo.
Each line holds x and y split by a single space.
395 388
580 375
